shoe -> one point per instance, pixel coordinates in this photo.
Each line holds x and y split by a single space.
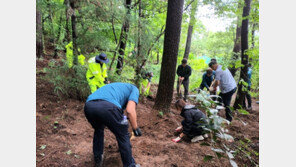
197 138
178 129
99 164
99 161
229 119
205 135
138 165
176 140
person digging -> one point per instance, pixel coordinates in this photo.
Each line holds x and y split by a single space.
225 80
105 107
192 124
183 72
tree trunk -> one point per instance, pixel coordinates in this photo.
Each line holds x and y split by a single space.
68 34
74 34
139 48
170 52
52 28
39 33
157 58
240 98
123 38
236 49
190 28
58 37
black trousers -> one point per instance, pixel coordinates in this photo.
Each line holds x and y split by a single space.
197 131
226 99
185 83
102 113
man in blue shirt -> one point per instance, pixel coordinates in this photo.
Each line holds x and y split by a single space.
105 107
207 79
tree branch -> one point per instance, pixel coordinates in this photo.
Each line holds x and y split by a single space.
156 40
188 6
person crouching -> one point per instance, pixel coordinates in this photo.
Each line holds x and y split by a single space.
192 124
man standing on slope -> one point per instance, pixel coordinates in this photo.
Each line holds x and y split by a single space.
183 72
225 80
96 74
105 108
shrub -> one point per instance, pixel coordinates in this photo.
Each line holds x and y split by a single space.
68 83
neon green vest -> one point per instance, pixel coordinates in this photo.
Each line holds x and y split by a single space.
69 54
96 75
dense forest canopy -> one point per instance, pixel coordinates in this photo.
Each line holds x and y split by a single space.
118 27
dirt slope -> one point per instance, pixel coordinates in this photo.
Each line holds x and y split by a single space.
154 148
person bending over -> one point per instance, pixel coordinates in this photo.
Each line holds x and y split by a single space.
105 108
226 82
207 79
193 121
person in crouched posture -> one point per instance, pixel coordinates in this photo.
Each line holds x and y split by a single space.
192 124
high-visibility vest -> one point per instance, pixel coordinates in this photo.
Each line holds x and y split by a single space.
95 73
144 83
69 54
81 59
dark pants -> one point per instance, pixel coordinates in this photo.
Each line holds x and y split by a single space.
185 83
99 114
226 99
194 131
249 99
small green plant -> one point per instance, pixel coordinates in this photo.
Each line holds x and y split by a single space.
160 113
69 152
216 129
42 147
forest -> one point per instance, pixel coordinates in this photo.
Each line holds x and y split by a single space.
140 37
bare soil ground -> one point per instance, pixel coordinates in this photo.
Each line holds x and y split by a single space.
63 128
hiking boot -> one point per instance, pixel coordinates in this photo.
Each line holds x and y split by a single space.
197 138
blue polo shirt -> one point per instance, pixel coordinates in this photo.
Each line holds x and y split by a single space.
117 93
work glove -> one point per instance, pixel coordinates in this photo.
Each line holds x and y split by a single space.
137 132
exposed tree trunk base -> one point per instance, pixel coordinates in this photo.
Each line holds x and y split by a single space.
240 99
165 90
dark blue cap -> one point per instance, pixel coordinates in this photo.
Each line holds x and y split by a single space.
102 58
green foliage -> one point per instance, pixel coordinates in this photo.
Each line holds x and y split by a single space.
216 129
68 83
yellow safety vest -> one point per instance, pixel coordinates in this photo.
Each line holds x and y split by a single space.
69 54
96 74
81 59
144 83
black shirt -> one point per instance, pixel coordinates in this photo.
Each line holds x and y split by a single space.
184 71
194 118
